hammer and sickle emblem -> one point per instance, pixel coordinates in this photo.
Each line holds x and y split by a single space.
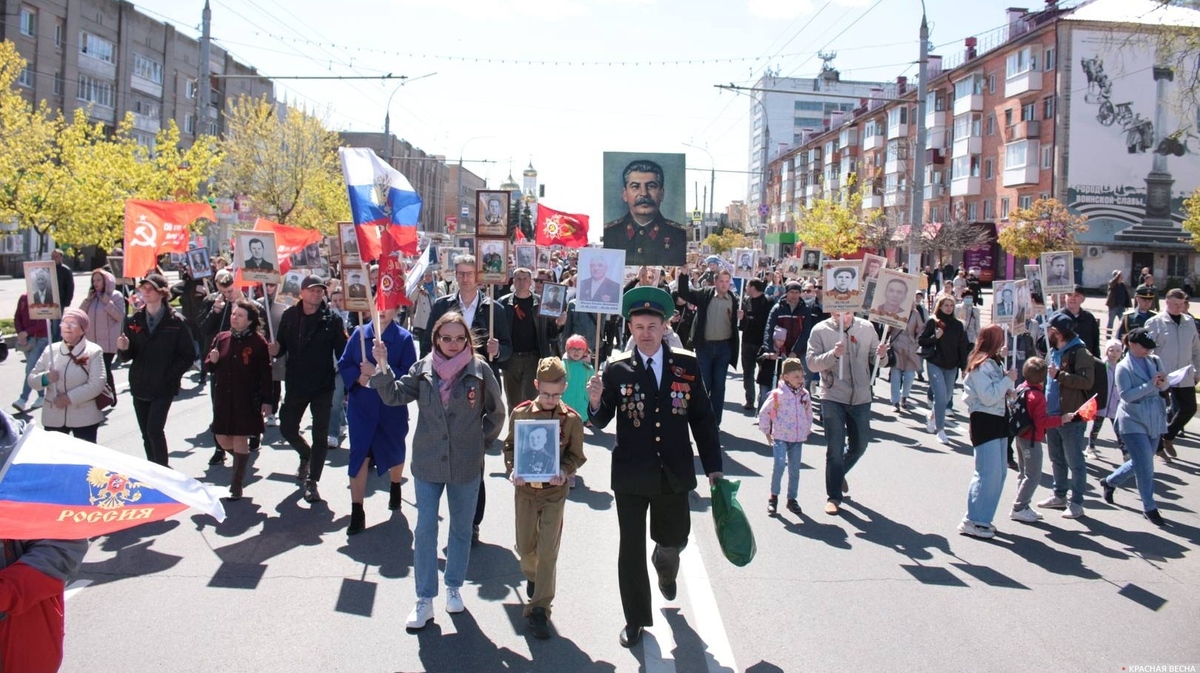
145 234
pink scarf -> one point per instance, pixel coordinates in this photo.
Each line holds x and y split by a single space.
448 370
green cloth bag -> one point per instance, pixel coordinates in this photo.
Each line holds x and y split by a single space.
733 528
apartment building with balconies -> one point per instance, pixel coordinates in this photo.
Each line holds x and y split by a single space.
1056 103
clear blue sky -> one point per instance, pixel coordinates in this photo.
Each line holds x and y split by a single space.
563 117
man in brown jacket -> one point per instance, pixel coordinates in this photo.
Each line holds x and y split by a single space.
540 504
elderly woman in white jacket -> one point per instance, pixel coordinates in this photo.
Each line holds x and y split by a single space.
72 373
987 387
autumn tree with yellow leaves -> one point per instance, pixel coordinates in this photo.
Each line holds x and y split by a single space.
70 176
1045 226
285 162
832 222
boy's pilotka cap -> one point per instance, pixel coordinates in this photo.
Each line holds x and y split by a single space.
551 370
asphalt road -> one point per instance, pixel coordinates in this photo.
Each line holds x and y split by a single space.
887 586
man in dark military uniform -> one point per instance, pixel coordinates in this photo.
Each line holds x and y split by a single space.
656 393
643 233
1144 297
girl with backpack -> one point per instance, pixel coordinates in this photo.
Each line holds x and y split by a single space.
1032 396
987 388
786 419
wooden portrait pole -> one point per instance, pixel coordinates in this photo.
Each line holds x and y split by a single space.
882 339
597 342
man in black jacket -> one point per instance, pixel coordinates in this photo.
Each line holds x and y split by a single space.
656 396
530 335
1086 327
755 309
714 333
311 337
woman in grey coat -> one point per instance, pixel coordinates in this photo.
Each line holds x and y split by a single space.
1141 418
459 412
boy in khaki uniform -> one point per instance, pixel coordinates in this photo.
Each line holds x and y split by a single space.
539 506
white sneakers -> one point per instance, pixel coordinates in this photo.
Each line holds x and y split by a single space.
942 437
454 602
271 421
421 613
1053 502
976 530
1027 515
1074 511
931 427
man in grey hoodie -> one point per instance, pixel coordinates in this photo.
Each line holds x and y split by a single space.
840 350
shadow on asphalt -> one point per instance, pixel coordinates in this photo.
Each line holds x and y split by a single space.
386 544
559 653
494 569
880 530
691 652
466 650
831 534
597 500
134 557
1046 557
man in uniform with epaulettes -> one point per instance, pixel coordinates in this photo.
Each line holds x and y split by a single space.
655 396
1137 316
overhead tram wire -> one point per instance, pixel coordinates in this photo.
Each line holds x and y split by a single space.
843 32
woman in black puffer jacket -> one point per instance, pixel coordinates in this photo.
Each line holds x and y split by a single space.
944 345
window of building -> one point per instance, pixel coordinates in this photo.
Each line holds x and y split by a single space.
192 89
1178 266
189 124
972 211
1049 59
966 167
1025 202
987 210
1016 155
28 21
147 68
991 124
972 85
26 77
58 30
95 91
1021 61
58 83
897 115
991 83
1004 208
987 169
1048 157
96 47
1028 111
1048 107
810 106
1008 117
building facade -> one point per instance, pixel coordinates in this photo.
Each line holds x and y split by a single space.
459 212
784 111
1077 104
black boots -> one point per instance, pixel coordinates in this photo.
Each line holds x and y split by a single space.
358 519
666 563
394 498
218 457
240 461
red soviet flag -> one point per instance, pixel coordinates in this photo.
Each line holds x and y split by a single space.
558 228
155 227
390 293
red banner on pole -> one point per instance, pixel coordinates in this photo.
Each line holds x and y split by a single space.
391 291
558 228
156 227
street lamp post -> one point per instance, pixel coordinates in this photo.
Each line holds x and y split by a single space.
916 219
712 179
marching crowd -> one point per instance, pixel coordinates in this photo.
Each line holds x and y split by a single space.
471 356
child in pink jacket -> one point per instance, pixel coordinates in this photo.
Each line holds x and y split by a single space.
786 419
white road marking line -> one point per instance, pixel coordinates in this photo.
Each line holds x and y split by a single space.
74 588
706 615
658 642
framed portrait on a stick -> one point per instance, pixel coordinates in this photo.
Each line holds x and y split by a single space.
466 243
745 262
41 287
791 268
1033 282
895 293
536 450
526 255
1058 272
1022 311
1004 301
491 213
289 289
544 254
117 265
598 286
644 207
491 262
348 240
198 263
810 260
553 300
843 285
257 256
356 283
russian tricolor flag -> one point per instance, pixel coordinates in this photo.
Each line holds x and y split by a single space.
380 194
56 486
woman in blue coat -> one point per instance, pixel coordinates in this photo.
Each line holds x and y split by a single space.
377 431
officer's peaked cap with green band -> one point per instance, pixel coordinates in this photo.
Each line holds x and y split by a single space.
647 300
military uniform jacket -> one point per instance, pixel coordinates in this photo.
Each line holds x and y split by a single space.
660 242
570 437
1133 319
653 454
